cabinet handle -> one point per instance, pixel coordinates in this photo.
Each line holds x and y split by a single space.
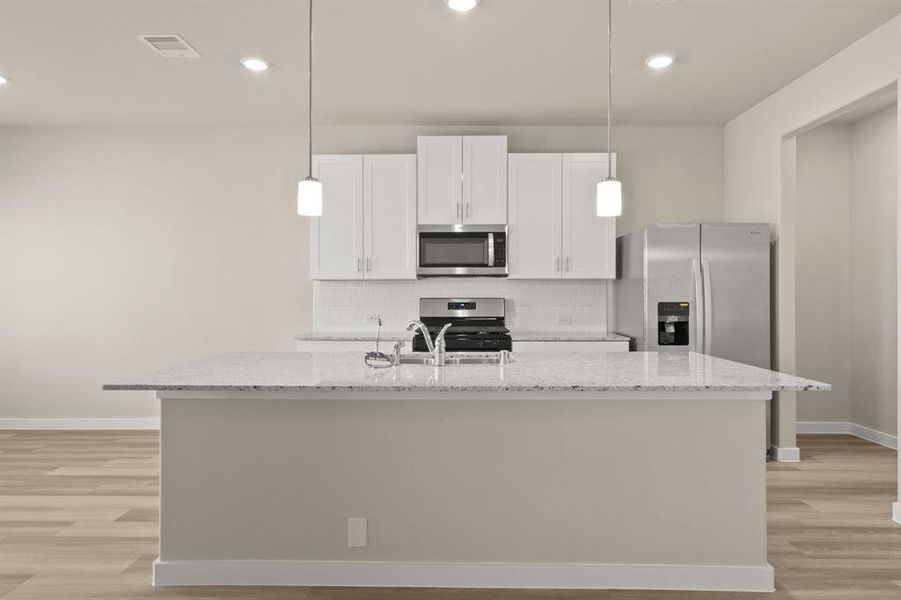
458 210
557 265
359 264
567 264
468 209
369 264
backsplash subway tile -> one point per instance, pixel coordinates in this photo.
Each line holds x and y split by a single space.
532 305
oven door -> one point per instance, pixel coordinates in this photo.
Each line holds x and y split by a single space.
461 250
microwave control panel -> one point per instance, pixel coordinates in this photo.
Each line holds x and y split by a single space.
500 250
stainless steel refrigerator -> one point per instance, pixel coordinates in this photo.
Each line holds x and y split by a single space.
702 287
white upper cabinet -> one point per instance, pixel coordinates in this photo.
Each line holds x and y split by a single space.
485 179
534 247
462 180
440 189
389 216
368 223
554 229
589 241
336 237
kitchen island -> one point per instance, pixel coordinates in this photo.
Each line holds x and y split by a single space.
617 470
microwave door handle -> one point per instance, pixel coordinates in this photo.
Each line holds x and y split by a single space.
490 249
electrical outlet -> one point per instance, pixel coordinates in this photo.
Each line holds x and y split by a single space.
373 318
357 532
564 319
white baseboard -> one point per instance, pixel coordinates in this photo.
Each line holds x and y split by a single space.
877 437
463 575
896 512
87 424
788 454
871 435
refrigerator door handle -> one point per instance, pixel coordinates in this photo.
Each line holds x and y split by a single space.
699 305
708 306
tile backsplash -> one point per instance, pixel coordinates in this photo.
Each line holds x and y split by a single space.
532 305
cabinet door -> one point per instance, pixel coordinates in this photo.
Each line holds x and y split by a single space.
440 188
336 238
534 249
485 179
589 241
389 216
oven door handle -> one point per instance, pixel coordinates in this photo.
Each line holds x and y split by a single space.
490 250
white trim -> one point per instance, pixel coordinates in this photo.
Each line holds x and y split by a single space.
468 575
117 423
896 512
787 454
877 437
871 435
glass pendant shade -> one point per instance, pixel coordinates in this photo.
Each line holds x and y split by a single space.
309 197
610 198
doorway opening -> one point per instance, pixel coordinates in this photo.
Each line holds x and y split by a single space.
842 199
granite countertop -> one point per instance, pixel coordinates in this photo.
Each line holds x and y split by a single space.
530 372
518 336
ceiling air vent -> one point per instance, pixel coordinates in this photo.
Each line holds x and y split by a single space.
170 45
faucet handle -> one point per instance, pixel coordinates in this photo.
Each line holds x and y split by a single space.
439 339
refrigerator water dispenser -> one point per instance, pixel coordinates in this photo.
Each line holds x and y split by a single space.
672 324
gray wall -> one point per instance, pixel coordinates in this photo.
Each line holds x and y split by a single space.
874 251
129 249
126 249
823 270
846 270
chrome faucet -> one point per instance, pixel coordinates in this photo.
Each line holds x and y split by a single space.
438 350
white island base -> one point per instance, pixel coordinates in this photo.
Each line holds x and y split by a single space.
495 489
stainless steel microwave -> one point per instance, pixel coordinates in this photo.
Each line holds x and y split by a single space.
462 250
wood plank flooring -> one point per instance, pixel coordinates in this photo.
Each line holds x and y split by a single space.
78 520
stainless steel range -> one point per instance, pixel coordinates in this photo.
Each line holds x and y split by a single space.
476 324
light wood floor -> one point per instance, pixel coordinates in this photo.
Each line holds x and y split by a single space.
78 520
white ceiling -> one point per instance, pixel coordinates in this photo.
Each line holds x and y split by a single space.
413 61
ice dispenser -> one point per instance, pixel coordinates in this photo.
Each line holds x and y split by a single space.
672 324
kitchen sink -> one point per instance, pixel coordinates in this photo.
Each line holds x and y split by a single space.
455 358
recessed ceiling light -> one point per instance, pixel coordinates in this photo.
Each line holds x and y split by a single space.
254 64
659 61
3 80
462 5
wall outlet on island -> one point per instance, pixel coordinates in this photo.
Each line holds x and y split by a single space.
564 319
372 318
357 532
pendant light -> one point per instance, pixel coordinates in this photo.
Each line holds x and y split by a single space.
610 190
309 190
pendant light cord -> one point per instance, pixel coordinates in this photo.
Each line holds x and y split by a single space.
310 81
609 83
